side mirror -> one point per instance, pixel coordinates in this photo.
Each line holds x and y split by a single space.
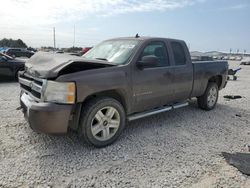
148 61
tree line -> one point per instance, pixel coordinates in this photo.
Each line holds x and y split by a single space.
12 43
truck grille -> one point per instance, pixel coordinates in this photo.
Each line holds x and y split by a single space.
32 86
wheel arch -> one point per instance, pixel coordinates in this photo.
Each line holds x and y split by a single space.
115 94
16 72
216 79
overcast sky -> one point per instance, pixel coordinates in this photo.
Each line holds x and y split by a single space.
204 24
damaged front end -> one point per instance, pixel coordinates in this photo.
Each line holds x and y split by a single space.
46 65
48 104
38 80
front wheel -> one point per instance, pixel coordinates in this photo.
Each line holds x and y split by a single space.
209 99
16 76
102 121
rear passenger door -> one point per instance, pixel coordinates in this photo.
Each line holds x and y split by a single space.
153 86
183 78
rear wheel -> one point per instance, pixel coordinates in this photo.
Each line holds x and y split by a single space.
102 121
209 99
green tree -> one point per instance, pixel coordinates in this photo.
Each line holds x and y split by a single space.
12 43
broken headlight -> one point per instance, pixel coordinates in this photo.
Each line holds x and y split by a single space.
60 92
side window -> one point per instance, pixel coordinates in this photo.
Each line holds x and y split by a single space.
20 54
179 54
159 50
24 54
17 54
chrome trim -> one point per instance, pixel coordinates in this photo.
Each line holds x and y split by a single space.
44 86
180 105
157 111
24 81
33 78
36 87
30 82
30 94
149 113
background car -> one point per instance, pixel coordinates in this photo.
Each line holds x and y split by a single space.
238 58
86 49
245 61
232 58
225 58
9 67
19 52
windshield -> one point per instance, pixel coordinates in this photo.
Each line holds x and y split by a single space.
114 51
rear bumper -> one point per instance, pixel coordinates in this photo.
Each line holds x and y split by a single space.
47 118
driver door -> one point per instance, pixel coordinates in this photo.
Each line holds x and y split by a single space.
153 86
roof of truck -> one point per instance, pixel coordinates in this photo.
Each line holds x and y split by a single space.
141 38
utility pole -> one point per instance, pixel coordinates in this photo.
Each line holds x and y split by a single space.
74 36
54 36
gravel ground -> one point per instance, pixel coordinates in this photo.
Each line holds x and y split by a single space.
180 148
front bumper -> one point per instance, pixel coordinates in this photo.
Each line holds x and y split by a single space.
46 117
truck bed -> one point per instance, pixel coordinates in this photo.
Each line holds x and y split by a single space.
203 70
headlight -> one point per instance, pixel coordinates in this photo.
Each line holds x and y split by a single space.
60 92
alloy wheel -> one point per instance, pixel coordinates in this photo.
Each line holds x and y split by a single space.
212 96
105 123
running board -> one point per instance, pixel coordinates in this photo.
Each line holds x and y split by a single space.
156 111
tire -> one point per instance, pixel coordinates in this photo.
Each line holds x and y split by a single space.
209 99
16 74
235 78
102 121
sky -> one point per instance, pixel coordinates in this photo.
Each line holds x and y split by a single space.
205 25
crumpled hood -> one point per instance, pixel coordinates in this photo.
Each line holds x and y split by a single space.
50 65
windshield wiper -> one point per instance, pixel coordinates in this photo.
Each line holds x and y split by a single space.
106 61
99 58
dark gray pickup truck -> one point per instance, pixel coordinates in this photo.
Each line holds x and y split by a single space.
119 79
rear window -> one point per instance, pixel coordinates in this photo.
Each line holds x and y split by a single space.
179 54
14 50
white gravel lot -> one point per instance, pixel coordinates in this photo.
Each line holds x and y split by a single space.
180 148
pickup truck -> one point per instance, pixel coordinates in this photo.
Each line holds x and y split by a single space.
118 80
